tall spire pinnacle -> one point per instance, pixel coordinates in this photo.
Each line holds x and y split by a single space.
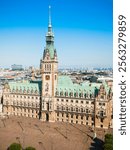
49 16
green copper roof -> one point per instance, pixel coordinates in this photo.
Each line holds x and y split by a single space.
25 86
65 84
64 81
50 47
107 88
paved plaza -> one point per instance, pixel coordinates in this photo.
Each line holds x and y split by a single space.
48 136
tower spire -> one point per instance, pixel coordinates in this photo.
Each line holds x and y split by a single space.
49 16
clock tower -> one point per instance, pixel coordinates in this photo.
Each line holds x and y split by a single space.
49 72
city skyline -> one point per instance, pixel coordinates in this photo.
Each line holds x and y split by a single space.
83 32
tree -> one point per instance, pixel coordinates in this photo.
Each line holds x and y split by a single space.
30 148
108 145
15 146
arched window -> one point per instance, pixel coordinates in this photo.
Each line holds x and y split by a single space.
71 94
79 94
74 94
57 93
61 93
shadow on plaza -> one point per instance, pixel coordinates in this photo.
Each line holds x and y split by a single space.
97 144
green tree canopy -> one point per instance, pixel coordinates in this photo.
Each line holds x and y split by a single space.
30 148
108 145
15 146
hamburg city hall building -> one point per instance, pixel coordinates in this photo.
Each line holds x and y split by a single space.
56 98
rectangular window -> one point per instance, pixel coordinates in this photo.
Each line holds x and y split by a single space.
81 102
66 108
87 111
102 120
57 100
67 115
67 100
81 109
87 102
71 108
71 101
76 101
102 97
57 107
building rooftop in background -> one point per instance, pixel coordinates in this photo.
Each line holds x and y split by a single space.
16 67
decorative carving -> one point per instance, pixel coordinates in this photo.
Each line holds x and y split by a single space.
47 87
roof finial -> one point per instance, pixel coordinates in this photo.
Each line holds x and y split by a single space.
49 16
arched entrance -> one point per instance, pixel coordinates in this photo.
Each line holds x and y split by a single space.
47 117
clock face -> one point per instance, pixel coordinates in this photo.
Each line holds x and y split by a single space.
47 77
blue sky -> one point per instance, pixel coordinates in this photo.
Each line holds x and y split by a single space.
83 32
